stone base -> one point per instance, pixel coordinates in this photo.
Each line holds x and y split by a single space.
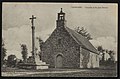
34 63
42 66
33 66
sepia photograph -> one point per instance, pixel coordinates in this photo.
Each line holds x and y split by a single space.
59 39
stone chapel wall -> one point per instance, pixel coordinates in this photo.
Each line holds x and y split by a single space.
60 42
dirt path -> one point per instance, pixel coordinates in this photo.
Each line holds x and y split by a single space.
28 73
60 72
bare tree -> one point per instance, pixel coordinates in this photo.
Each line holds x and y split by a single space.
83 32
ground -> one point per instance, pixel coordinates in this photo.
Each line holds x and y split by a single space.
60 72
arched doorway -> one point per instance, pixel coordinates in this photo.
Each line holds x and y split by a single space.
59 59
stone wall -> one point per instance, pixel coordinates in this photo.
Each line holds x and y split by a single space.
60 42
88 59
93 61
84 58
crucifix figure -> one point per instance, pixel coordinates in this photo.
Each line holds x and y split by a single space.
33 35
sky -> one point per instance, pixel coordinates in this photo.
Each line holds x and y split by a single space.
99 19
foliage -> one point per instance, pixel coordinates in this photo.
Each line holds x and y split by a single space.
83 32
100 48
3 52
24 52
11 61
111 53
110 60
40 42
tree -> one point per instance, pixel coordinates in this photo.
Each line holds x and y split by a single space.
83 32
40 42
111 53
11 61
3 53
24 52
101 50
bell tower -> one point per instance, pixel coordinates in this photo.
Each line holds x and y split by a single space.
61 22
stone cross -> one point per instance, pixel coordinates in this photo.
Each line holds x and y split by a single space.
32 20
33 35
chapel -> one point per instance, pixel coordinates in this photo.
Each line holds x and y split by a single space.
65 48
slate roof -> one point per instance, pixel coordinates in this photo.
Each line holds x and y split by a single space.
81 40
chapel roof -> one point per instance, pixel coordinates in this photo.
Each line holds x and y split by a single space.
81 40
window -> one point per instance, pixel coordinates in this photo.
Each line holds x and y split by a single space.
61 17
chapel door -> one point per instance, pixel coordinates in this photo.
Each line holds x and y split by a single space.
59 59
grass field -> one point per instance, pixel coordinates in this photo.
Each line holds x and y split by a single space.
60 72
